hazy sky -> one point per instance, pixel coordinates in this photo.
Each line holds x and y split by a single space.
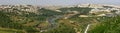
59 2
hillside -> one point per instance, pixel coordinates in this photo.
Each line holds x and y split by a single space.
33 19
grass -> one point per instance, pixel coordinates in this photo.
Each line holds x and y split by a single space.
8 30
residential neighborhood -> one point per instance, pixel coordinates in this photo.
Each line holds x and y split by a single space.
28 8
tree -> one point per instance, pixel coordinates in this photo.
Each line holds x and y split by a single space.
110 25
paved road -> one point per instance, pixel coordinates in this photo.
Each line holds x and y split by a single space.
87 28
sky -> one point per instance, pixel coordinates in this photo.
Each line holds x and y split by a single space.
60 2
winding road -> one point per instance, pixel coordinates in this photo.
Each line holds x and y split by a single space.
51 20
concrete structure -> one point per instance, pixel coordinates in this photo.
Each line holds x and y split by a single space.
27 8
91 5
96 10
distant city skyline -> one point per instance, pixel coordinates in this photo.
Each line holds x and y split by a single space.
59 2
